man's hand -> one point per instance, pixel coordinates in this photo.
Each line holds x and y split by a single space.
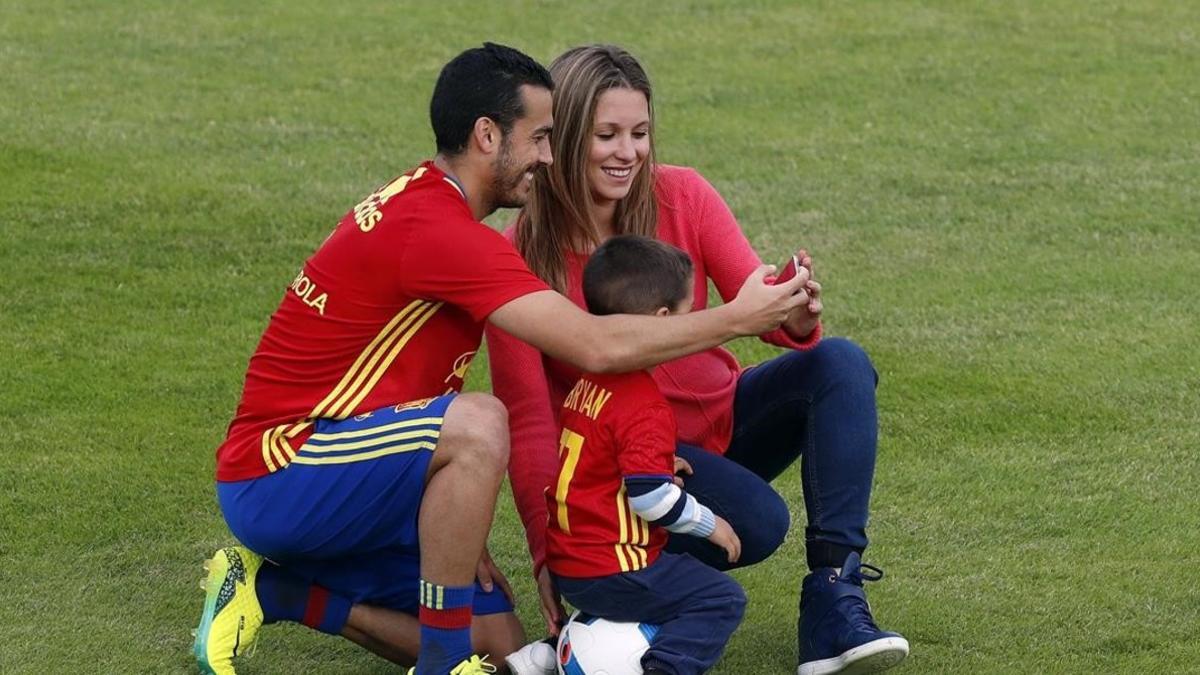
727 539
552 608
761 307
803 319
681 466
489 575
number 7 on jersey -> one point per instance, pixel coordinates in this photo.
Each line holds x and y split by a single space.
570 443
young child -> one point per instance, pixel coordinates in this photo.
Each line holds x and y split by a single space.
616 495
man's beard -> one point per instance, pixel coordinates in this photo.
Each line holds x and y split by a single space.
507 179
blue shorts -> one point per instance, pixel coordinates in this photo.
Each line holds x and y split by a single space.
343 514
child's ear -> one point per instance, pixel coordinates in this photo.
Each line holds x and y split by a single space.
662 311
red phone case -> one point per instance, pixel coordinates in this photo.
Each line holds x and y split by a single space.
789 270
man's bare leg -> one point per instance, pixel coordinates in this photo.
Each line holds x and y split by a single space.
396 636
461 487
393 635
456 514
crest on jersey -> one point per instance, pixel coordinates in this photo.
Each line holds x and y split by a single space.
419 404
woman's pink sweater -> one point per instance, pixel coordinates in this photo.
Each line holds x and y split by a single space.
700 387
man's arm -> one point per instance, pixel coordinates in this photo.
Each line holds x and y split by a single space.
624 342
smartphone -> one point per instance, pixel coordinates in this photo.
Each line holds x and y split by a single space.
789 270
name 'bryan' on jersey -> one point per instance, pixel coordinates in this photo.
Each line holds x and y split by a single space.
587 398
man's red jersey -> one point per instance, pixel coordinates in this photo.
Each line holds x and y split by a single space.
389 309
613 426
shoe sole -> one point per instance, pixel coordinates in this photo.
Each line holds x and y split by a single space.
218 569
872 657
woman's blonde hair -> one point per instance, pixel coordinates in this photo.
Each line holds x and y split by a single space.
558 217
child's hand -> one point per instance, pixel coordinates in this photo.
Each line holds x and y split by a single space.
681 466
726 538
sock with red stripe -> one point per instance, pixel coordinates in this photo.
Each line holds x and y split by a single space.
445 617
286 597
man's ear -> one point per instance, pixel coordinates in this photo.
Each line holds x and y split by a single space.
486 135
662 311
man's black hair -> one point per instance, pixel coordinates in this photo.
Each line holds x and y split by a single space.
481 82
632 274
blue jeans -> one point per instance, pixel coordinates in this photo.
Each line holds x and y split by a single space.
817 406
696 607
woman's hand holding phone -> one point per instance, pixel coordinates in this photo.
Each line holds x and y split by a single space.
803 319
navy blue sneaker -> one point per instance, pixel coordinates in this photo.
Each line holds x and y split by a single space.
836 631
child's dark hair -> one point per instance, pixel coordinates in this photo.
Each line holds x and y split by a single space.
632 274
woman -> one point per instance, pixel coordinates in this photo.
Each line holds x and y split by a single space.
738 428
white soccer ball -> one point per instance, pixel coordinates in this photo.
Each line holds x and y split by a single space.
593 646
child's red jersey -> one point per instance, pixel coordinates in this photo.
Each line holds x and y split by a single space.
613 426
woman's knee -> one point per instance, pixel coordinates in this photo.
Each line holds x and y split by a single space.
763 534
842 359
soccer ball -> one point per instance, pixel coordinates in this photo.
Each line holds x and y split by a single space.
592 646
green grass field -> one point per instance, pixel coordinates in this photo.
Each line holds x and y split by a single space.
1001 198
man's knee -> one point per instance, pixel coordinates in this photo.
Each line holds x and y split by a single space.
477 425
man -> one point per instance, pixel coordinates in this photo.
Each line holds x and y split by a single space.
353 464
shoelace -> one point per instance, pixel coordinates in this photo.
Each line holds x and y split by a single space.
476 665
876 576
859 611
249 652
858 614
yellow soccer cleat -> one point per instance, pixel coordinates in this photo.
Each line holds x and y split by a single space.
232 615
476 665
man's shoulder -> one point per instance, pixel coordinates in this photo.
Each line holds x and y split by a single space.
434 192
434 211
421 193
